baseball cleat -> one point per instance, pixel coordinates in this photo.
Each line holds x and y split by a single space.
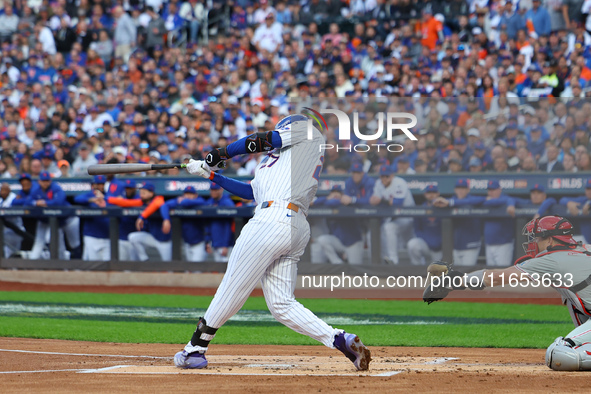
352 347
190 360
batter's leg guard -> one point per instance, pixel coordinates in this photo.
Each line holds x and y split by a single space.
201 337
193 355
562 355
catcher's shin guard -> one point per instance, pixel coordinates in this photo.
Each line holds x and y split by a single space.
201 337
563 356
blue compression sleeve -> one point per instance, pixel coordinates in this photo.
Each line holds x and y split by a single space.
239 147
241 189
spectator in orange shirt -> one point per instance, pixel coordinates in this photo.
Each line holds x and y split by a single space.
431 29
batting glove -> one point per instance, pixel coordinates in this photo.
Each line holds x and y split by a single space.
198 167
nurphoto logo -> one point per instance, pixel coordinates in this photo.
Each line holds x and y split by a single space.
388 121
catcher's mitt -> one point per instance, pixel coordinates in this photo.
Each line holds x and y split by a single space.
437 287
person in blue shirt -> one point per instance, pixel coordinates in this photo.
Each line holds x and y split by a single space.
499 237
425 247
540 18
126 223
344 240
219 232
580 207
511 21
95 230
467 230
27 189
50 194
537 197
151 231
359 187
193 230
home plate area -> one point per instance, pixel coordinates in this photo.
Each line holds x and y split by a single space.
321 366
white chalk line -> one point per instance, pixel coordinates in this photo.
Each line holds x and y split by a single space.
82 354
97 370
440 360
44 370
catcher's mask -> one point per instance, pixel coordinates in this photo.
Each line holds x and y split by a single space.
556 227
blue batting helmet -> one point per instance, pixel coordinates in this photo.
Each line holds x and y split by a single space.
289 120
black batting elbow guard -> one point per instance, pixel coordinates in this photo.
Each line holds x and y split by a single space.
260 142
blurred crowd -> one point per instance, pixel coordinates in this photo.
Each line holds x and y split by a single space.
499 85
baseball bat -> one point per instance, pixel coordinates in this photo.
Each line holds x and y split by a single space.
124 168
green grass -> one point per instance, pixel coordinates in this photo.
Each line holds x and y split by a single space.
462 324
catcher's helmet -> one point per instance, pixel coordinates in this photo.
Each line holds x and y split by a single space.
288 120
556 227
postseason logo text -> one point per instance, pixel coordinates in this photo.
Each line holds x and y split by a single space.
388 121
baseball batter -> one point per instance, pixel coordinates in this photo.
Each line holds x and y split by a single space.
553 257
270 245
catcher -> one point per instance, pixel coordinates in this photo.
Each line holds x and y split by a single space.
553 258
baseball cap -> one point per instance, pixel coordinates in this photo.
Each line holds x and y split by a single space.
588 185
149 186
99 179
337 188
44 176
144 145
474 132
492 185
214 186
479 146
386 170
475 162
119 150
130 183
462 182
540 188
189 189
512 125
356 167
431 188
62 163
454 160
24 176
404 159
460 141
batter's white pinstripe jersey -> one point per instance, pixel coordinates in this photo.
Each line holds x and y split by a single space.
291 173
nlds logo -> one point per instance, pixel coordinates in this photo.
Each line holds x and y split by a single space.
385 121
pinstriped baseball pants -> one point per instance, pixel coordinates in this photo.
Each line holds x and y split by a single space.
268 250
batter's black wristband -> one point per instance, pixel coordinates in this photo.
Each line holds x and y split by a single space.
214 157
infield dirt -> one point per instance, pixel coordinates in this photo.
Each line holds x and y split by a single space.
103 367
